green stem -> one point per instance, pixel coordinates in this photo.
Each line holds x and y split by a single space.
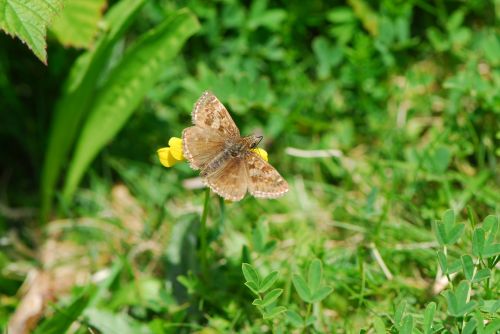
203 233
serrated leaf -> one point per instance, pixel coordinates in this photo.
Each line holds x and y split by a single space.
274 312
126 87
250 274
321 294
314 275
429 318
301 286
77 25
268 281
28 21
271 297
78 95
468 267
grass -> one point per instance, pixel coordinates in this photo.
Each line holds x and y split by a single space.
382 116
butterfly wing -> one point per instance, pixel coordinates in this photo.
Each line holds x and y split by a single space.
229 180
200 146
264 181
210 113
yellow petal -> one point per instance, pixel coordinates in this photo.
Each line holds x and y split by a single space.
176 148
166 157
261 152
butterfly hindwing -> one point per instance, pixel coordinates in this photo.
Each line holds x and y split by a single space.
263 179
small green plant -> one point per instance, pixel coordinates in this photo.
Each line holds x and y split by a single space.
266 300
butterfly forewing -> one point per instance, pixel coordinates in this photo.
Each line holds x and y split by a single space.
210 113
201 145
263 180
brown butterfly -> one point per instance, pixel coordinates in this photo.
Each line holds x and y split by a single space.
226 160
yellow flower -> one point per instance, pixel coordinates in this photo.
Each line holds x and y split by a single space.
261 152
172 154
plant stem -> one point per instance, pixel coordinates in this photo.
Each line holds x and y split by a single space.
203 233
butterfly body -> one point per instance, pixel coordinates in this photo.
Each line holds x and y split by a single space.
226 160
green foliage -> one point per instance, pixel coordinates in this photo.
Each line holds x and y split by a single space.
78 23
77 97
28 21
266 299
381 115
125 87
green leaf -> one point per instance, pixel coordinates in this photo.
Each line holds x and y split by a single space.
63 318
379 326
274 312
253 287
77 25
321 294
259 238
469 326
407 326
271 297
398 315
429 318
454 234
126 87
268 281
294 318
472 216
449 218
443 262
481 275
447 232
468 267
251 275
300 285
314 275
457 300
341 15
492 327
108 322
28 21
79 90
478 242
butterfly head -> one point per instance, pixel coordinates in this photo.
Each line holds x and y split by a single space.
253 141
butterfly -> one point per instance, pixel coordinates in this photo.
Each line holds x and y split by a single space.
225 159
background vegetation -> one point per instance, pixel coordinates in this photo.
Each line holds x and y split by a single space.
382 115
